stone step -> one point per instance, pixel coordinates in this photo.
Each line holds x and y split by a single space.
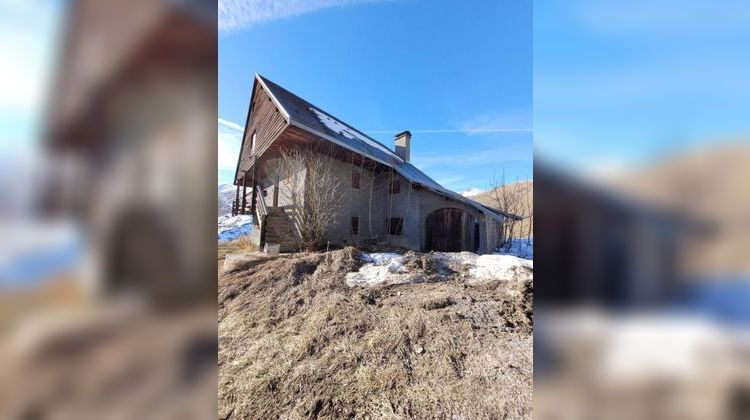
290 235
279 229
280 233
275 211
280 238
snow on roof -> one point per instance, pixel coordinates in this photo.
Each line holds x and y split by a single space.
337 126
309 117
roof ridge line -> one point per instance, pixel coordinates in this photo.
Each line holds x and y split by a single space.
324 111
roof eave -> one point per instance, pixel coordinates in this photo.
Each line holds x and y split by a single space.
275 100
332 139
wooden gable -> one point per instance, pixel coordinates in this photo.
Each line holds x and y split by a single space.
265 122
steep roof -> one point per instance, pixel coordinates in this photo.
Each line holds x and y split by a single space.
315 120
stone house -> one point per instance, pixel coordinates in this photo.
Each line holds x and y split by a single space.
383 198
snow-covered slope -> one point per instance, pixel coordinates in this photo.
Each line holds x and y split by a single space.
519 247
232 227
226 196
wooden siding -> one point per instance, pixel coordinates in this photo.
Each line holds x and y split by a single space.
266 121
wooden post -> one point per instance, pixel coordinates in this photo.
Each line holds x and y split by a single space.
236 204
244 194
255 190
276 192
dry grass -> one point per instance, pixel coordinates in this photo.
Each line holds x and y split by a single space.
296 342
240 245
101 362
61 293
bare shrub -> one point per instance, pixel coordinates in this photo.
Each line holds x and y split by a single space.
315 194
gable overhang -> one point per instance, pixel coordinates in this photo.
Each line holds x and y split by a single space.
275 100
257 81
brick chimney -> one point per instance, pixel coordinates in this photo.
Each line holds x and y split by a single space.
402 144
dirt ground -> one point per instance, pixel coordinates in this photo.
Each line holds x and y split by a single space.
296 342
108 365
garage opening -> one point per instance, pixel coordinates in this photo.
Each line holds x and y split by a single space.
449 230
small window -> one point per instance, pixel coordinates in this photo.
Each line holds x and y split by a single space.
394 187
252 145
355 225
355 179
395 225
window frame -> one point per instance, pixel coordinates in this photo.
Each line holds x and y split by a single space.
356 179
395 226
394 187
252 143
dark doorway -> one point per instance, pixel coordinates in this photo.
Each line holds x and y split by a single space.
476 237
443 230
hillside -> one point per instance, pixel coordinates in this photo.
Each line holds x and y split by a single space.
297 341
524 190
227 193
708 187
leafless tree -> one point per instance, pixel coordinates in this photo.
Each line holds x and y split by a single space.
314 189
529 214
513 198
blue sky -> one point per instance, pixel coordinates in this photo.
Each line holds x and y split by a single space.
615 83
28 30
618 84
457 74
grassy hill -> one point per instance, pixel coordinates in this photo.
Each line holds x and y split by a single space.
524 190
296 342
709 187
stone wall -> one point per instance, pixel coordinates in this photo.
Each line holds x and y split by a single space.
372 204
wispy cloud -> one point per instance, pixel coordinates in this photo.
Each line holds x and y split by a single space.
480 124
452 182
485 156
455 130
230 125
494 122
669 17
235 15
229 143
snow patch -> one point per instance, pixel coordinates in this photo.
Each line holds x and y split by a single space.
382 268
501 267
380 258
340 128
232 227
519 247
391 268
630 353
